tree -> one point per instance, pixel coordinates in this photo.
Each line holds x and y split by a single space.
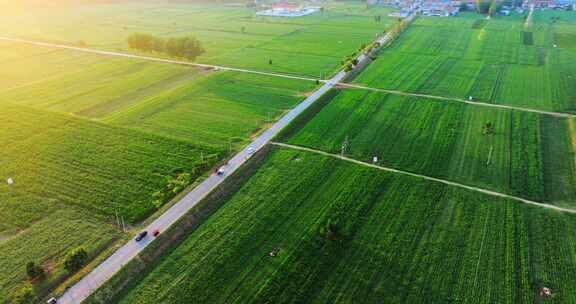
488 128
185 48
75 259
482 7
493 8
270 62
34 271
141 42
331 231
25 295
243 29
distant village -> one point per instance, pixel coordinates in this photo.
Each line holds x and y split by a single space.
285 8
453 7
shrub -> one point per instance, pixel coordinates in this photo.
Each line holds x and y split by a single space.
75 259
25 295
34 271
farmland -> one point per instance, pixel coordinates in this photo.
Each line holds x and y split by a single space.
496 61
526 154
199 106
76 175
393 238
89 137
86 137
320 40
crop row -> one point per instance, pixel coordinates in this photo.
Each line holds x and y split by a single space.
318 230
444 140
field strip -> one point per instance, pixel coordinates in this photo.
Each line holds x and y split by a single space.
90 282
129 251
272 74
451 99
434 179
155 59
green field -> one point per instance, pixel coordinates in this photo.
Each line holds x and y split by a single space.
309 45
392 239
88 136
493 63
527 154
203 107
71 176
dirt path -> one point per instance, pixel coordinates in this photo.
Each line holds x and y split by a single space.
155 59
572 130
450 99
434 179
281 75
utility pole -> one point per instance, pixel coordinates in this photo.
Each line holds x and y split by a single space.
344 146
117 219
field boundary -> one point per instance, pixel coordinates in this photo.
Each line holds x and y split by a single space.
339 84
145 261
157 59
342 85
429 178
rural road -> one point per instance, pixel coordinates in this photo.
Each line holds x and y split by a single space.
103 272
434 179
81 290
343 85
109 267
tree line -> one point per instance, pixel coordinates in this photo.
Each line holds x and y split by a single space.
181 47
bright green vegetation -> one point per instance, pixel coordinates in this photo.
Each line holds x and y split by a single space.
306 45
47 241
204 107
58 159
219 108
350 234
71 176
527 154
496 61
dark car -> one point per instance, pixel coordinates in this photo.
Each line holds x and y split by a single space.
141 235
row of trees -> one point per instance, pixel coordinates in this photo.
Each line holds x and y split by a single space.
182 48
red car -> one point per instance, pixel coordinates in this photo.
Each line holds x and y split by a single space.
156 232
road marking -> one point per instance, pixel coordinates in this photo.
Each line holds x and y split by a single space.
434 179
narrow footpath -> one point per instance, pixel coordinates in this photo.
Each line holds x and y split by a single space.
429 178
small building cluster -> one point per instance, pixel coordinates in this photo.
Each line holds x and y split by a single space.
287 9
453 7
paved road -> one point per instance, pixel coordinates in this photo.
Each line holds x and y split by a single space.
154 59
475 103
434 179
103 272
81 290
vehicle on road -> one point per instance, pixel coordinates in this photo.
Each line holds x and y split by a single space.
52 301
220 171
156 232
250 150
141 236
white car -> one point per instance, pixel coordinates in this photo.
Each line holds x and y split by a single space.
250 150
